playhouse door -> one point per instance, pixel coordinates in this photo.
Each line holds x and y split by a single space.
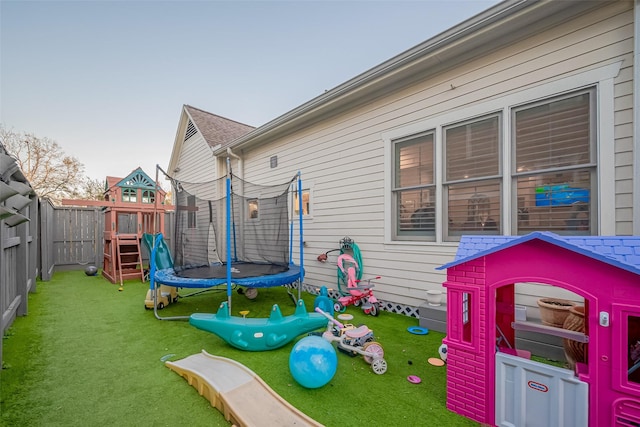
534 394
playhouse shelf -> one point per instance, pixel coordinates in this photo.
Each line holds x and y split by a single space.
559 332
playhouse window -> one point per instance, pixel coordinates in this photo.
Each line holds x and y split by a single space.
414 188
148 196
633 349
462 307
466 317
129 195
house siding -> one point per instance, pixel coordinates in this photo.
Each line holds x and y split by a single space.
343 157
196 163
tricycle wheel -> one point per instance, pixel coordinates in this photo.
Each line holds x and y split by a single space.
339 307
357 303
375 348
379 366
375 309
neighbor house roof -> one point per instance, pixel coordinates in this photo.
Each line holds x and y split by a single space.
217 130
620 251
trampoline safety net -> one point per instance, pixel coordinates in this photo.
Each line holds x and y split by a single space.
259 218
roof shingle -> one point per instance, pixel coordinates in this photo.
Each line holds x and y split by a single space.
217 130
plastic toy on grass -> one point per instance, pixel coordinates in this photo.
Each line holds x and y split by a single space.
258 334
356 293
355 340
313 362
163 295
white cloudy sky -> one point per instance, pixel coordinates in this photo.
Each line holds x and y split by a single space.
107 79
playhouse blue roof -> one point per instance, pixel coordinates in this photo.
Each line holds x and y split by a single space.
620 251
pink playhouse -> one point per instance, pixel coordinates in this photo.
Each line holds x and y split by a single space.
490 381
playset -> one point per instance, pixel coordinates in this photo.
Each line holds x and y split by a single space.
487 379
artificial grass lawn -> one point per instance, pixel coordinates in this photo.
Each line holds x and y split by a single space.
88 355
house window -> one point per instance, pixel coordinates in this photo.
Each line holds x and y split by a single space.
129 195
472 176
547 160
191 211
414 188
148 196
253 208
306 206
554 167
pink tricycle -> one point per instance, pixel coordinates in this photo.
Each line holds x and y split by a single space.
356 293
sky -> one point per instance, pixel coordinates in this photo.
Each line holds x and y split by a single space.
107 80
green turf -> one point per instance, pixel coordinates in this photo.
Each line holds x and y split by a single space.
87 354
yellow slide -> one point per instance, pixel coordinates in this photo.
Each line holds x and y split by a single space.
237 392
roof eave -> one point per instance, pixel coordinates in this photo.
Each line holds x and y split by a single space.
478 32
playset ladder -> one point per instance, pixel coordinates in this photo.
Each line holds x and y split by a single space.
129 260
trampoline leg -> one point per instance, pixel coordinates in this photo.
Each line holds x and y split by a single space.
293 297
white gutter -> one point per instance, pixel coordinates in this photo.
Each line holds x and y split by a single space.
240 173
636 120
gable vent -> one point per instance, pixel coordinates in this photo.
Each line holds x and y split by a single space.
191 130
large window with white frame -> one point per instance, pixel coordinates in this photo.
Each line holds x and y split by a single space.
554 164
414 188
472 176
551 167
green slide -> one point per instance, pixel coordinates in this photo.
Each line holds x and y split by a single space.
163 256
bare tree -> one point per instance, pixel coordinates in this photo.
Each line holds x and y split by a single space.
92 189
50 171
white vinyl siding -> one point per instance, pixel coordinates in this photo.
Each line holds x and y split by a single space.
196 164
349 156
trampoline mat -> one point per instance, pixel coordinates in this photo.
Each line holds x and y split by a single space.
239 270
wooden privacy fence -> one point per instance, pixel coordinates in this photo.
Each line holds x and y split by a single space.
71 237
18 241
53 238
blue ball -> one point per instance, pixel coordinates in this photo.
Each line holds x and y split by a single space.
313 362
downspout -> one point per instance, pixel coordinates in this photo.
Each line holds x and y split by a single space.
636 119
240 161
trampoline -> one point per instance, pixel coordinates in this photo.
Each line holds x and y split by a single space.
244 238
249 275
